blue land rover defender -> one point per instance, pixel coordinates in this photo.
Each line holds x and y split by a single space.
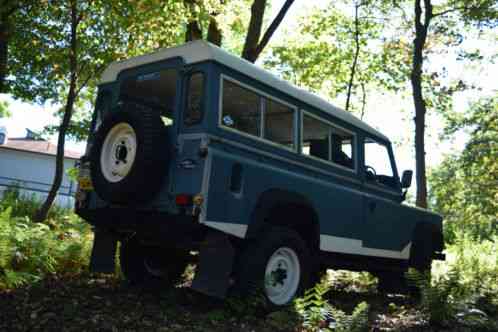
197 154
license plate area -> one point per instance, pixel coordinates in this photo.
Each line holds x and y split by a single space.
84 179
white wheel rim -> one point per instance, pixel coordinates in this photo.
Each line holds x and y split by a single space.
118 152
282 276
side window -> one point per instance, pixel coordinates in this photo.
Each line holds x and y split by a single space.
378 168
325 141
342 144
195 90
279 123
316 135
241 109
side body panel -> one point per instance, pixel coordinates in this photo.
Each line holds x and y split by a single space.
338 196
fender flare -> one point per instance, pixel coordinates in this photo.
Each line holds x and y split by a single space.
272 198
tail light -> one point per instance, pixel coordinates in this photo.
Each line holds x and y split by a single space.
183 200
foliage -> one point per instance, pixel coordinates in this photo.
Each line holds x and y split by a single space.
4 109
464 188
317 314
26 206
320 55
464 286
29 251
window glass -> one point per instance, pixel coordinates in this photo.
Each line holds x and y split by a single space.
316 135
327 142
377 157
378 168
279 123
155 90
241 109
102 106
341 147
193 110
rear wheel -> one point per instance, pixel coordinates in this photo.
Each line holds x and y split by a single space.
152 265
278 264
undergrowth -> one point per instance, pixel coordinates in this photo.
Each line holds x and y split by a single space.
30 250
317 314
464 290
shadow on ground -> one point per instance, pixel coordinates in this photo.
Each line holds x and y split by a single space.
103 303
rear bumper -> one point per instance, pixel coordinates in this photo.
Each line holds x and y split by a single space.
151 226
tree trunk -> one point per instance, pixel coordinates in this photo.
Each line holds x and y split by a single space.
356 54
4 39
253 46
254 30
418 99
194 32
214 33
68 112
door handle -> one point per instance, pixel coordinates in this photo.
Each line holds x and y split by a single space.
372 206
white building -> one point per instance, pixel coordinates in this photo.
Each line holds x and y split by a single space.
29 163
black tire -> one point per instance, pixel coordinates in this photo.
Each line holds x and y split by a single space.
392 282
252 261
152 266
149 168
421 261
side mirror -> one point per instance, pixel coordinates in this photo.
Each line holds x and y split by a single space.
406 179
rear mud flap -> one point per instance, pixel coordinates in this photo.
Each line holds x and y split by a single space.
215 265
103 252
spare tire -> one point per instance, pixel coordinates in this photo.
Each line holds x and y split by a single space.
129 155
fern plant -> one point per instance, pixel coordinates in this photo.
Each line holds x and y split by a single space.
317 314
5 231
313 308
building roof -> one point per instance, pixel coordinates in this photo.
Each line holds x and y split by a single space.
37 146
198 51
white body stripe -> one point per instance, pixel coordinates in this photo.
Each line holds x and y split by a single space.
355 247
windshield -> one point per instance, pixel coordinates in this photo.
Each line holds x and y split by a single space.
156 90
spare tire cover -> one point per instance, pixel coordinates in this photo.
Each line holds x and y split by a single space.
129 156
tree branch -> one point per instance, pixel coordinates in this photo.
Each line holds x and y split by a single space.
356 54
273 27
254 30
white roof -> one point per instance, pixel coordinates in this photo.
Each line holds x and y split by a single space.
200 50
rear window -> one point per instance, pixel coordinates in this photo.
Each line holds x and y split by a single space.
156 90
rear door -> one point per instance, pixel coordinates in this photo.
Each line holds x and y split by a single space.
189 161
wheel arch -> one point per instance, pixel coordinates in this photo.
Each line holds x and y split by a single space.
427 239
287 209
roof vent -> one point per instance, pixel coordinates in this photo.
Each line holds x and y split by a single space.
3 135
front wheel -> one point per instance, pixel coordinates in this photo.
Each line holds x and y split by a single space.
142 264
278 264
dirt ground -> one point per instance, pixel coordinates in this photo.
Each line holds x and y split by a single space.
103 303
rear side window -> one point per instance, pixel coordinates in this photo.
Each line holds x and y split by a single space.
257 114
327 142
241 109
194 108
279 123
156 90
